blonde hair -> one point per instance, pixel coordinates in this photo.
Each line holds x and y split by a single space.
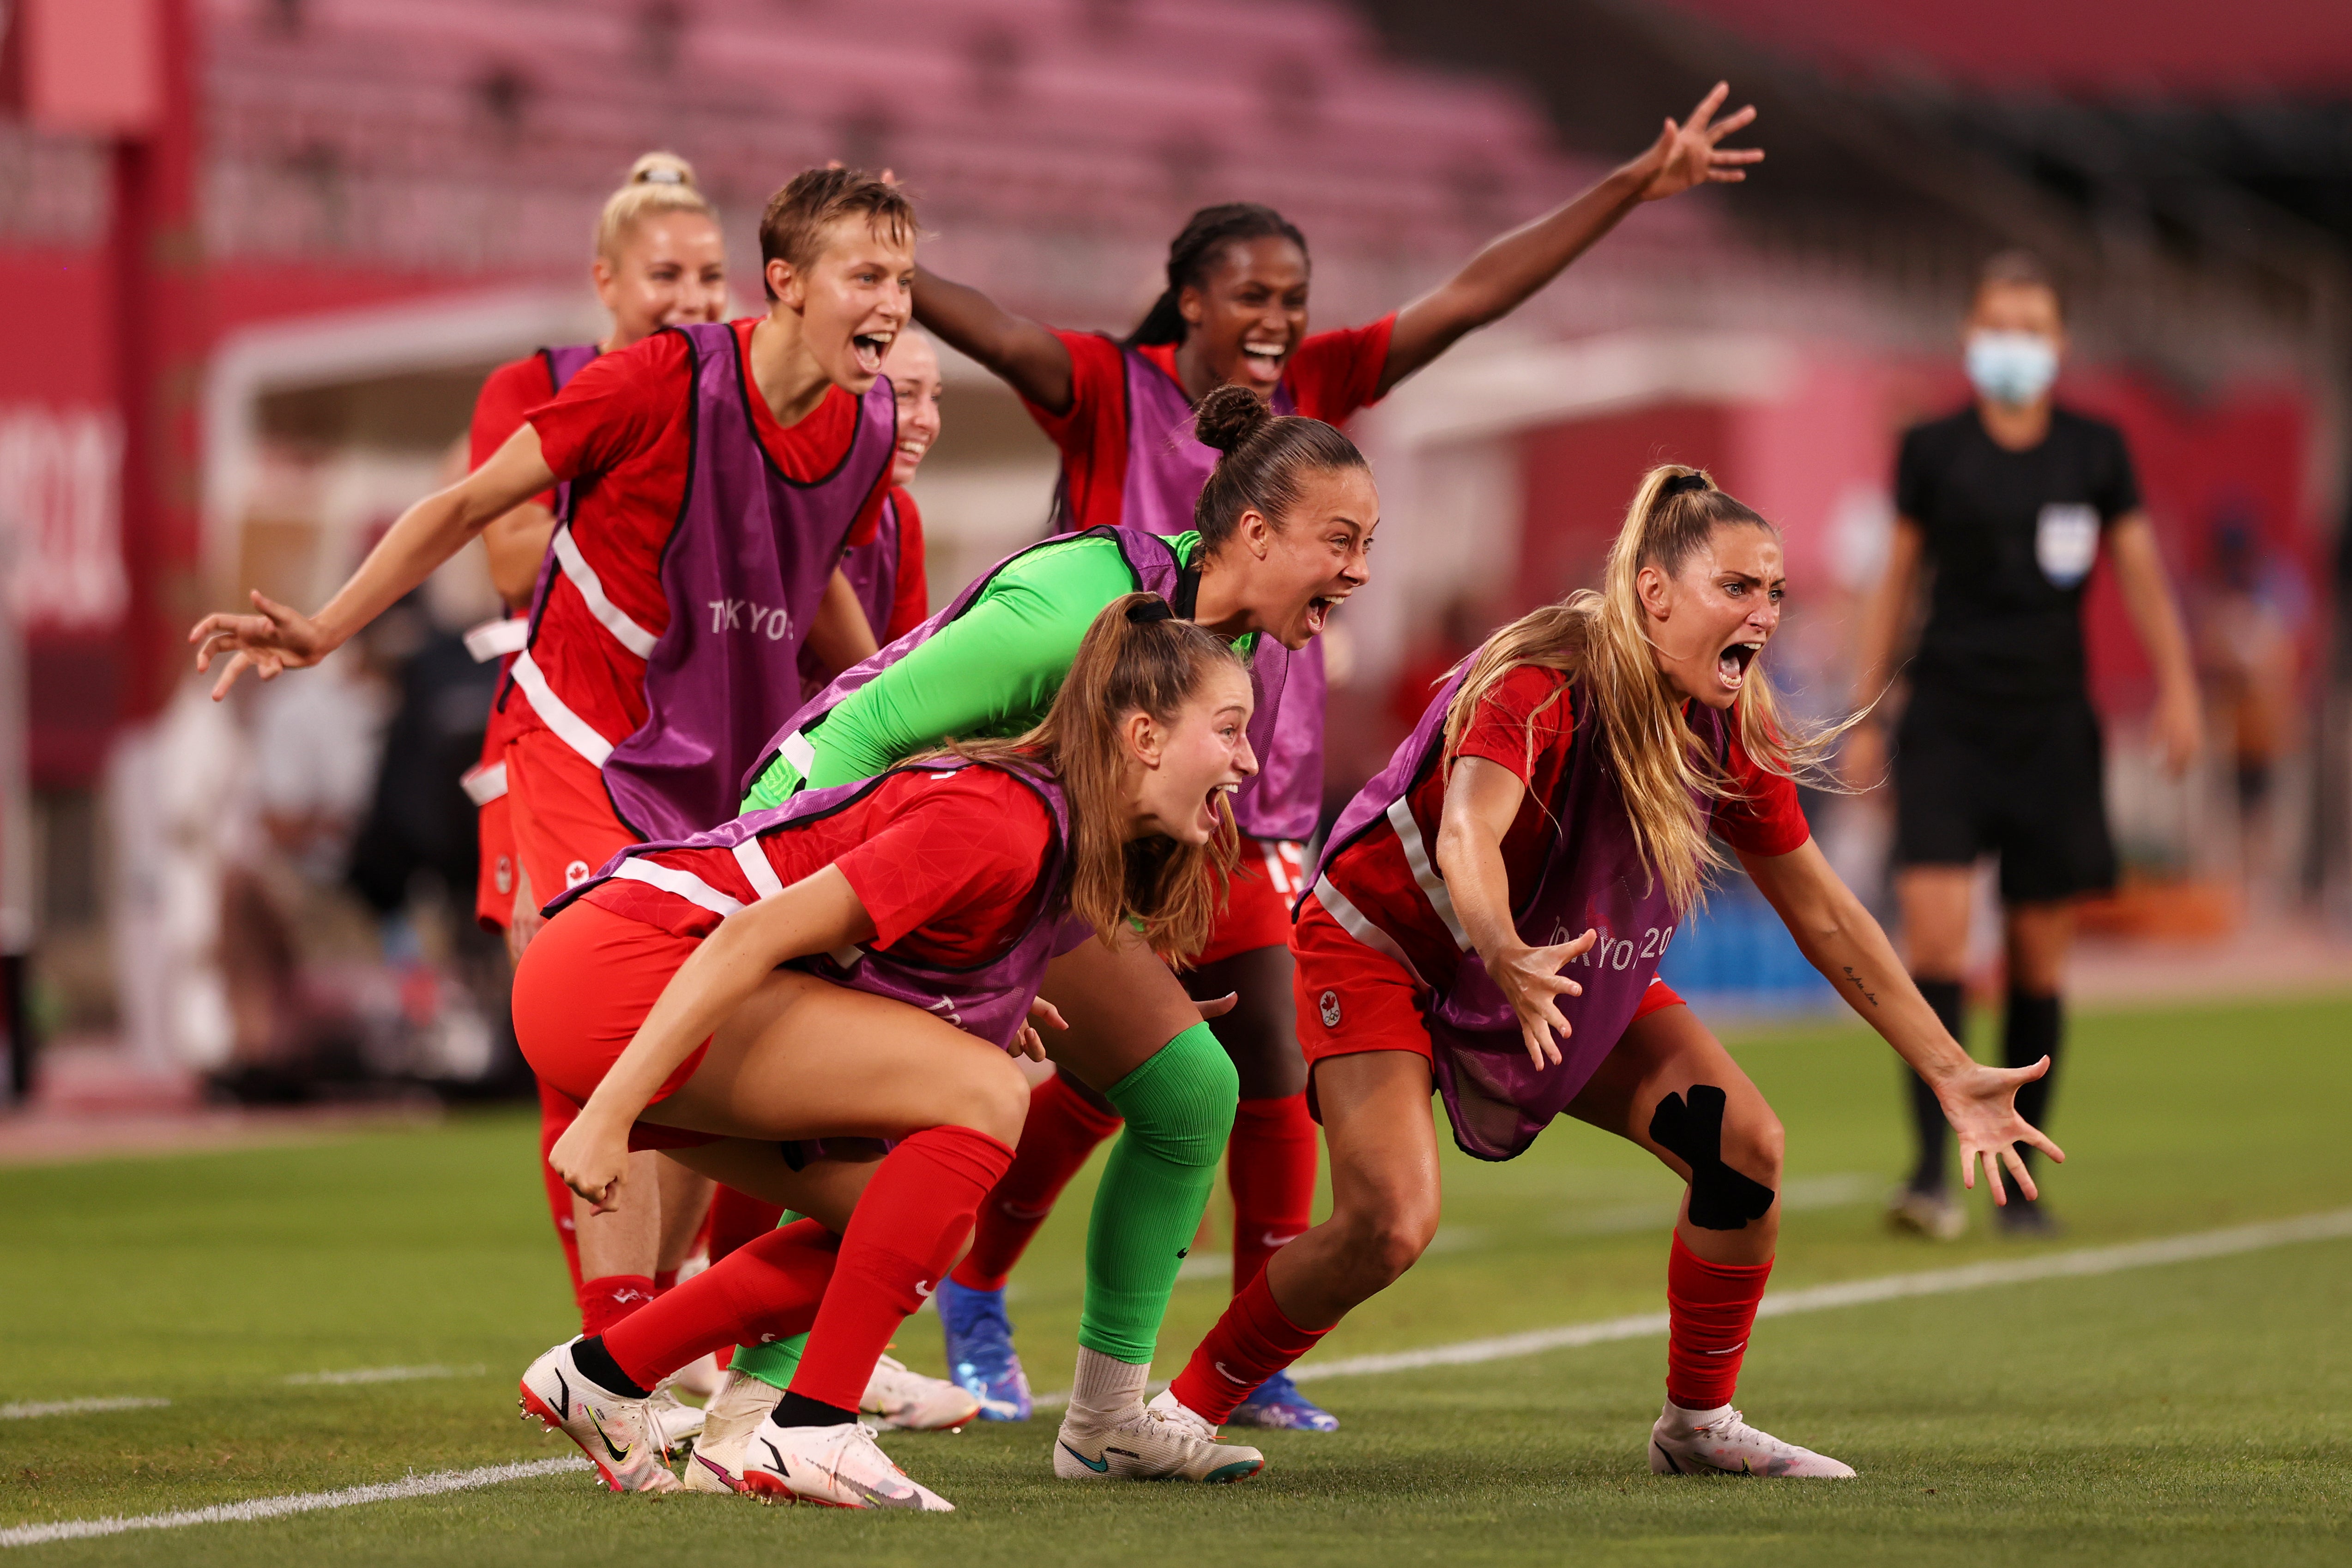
1169 892
658 183
1668 774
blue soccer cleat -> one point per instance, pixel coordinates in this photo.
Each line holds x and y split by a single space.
1278 1405
980 1357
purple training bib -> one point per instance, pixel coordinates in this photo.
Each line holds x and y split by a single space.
1594 877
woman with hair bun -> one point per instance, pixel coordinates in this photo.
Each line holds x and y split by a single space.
856 964
1487 920
1279 535
1234 314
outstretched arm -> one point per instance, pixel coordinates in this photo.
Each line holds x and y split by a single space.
1025 355
1841 940
816 915
427 534
1482 800
1502 276
2148 595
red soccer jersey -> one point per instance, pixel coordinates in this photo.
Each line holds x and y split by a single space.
505 402
945 863
622 434
1331 376
1761 816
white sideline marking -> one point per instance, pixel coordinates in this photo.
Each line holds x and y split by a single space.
30 1409
300 1502
384 1374
2084 1261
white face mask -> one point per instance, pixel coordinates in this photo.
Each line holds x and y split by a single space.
2012 368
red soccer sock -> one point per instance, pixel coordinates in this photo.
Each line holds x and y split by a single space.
768 1289
1250 1343
736 1218
909 1222
555 1114
665 1281
1273 1167
1061 1129
1712 1306
605 1301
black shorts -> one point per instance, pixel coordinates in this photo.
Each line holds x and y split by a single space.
2025 780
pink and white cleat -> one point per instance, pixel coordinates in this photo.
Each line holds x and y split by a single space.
621 1438
838 1467
1690 1442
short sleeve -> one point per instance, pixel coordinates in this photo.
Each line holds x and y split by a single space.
2115 487
502 407
1098 400
1912 478
1524 715
619 404
1763 816
1335 373
965 847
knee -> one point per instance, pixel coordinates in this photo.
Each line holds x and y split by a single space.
1754 1146
1386 1235
996 1101
1181 1103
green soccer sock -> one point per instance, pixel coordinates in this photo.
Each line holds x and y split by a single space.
774 1362
1178 1107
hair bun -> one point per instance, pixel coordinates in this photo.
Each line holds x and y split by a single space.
1229 416
661 169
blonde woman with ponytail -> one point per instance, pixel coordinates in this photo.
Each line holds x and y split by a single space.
854 964
1487 920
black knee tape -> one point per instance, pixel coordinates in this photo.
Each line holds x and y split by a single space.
1720 1197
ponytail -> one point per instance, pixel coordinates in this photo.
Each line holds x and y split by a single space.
658 183
1136 656
1264 457
1665 772
1195 249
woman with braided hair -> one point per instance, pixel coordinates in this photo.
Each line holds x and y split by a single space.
1487 921
1234 314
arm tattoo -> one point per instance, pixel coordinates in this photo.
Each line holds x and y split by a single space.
1867 993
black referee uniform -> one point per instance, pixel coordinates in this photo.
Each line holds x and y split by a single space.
1999 751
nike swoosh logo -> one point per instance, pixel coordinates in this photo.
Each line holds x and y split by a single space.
620 1455
1100 1467
924 1288
1229 1377
563 1396
1276 1243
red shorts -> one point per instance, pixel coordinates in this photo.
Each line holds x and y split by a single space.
586 984
1267 879
1352 999
564 824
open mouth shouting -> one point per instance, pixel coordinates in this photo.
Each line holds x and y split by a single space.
869 348
1212 819
1263 359
1731 664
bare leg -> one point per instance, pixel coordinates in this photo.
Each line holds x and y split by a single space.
1935 901
626 1238
684 1202
1384 1188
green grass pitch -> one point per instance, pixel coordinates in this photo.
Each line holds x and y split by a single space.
2192 1413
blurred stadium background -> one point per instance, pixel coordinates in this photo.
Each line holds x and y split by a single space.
257 256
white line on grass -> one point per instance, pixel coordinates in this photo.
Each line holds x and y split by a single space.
300 1502
30 1409
384 1374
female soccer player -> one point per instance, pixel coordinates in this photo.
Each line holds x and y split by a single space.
1234 314
1281 531
1999 751
820 970
1568 776
660 261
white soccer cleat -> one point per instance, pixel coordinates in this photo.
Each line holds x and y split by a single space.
1162 1441
1690 1442
678 1422
908 1402
728 1423
837 1466
613 1430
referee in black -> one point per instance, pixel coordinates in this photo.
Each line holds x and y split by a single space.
2008 504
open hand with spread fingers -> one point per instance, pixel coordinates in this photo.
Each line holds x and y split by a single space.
279 638
1689 153
1532 980
1980 1102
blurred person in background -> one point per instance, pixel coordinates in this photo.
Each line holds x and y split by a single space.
2008 502
1234 314
660 261
2246 625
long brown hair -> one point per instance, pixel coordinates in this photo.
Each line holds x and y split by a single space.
1663 769
1172 892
